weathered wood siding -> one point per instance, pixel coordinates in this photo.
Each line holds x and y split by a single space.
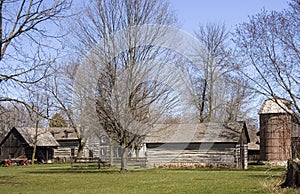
13 146
66 150
196 155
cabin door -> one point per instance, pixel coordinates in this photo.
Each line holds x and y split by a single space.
242 155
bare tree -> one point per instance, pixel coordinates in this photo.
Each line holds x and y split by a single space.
269 51
27 43
60 89
238 98
12 115
209 76
132 91
39 106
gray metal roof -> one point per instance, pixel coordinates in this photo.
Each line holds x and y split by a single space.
44 137
201 132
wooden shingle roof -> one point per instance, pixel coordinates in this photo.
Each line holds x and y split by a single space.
201 132
44 137
63 133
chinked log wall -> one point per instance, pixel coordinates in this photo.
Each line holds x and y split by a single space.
160 157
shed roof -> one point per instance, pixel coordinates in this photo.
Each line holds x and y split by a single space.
275 105
44 138
201 132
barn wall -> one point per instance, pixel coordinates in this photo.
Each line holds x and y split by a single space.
195 155
12 147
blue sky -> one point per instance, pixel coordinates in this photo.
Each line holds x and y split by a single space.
231 12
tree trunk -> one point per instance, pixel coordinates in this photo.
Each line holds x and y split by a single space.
33 154
292 178
137 154
124 165
111 155
211 97
35 142
80 149
203 102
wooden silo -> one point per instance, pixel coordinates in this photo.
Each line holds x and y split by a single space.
275 122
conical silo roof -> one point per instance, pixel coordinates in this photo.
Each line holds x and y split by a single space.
275 105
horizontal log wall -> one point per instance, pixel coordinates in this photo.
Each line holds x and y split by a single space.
162 157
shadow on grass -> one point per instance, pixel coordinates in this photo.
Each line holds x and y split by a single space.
262 176
79 171
72 171
7 180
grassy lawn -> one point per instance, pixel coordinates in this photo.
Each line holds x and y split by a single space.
62 179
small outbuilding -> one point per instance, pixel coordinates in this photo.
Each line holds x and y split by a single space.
198 145
19 143
68 143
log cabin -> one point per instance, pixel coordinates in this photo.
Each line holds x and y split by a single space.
68 143
198 145
19 143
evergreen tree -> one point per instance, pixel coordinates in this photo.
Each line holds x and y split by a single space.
57 121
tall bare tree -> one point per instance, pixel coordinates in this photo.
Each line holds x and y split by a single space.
133 89
269 51
209 76
62 91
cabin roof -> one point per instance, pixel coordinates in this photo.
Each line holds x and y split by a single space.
201 132
63 133
44 137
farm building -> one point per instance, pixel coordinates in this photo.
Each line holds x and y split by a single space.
54 144
68 143
101 146
198 145
253 147
19 142
279 131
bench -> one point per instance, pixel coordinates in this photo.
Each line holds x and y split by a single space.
86 162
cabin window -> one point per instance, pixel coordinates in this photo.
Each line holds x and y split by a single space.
66 133
103 140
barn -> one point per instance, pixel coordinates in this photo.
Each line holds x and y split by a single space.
198 145
19 142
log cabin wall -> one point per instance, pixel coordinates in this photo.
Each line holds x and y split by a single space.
197 155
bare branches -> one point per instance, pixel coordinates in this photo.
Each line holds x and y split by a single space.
29 14
28 44
131 91
269 48
209 76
